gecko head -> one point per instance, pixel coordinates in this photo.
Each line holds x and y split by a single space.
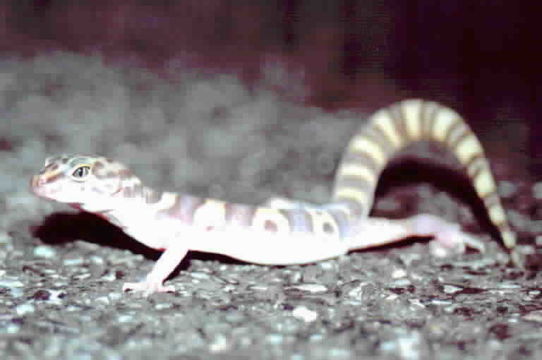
80 179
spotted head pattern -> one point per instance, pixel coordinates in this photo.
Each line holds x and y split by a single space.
84 181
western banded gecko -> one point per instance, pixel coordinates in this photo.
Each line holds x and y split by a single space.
281 231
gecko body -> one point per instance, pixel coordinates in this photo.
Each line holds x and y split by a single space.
281 231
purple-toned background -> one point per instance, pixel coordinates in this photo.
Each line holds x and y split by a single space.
482 58
248 99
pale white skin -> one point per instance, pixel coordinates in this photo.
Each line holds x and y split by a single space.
138 219
271 249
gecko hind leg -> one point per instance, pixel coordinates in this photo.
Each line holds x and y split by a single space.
448 238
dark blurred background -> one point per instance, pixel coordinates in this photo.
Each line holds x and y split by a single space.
482 58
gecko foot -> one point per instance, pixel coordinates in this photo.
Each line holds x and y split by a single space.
147 287
448 238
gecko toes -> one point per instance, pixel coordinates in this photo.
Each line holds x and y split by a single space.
448 238
147 287
452 240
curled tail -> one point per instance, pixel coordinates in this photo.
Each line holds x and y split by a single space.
391 129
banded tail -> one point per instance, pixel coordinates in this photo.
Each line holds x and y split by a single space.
391 129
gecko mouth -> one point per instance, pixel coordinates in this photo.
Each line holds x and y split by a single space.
38 186
35 184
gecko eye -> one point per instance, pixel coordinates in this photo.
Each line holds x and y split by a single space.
81 172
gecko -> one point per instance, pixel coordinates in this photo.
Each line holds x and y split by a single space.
281 231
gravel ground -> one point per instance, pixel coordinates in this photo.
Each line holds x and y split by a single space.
61 271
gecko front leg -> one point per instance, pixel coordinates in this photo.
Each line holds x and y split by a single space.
154 281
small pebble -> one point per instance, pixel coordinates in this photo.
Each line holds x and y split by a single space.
73 262
305 314
10 283
535 316
5 238
339 353
115 296
199 275
163 306
416 302
219 344
451 289
327 265
391 297
398 273
537 190
98 260
356 292
316 337
24 309
44 251
41 295
312 288
11 329
125 318
275 339
102 299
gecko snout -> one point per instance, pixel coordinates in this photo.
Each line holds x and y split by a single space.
36 182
